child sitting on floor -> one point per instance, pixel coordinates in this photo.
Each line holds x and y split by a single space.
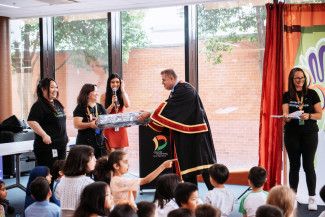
7 209
125 189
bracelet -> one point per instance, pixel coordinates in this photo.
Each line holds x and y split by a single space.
309 117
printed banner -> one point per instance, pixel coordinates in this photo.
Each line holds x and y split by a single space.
304 39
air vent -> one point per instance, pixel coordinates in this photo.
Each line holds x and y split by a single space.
58 2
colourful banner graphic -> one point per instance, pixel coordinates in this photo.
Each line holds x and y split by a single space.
311 57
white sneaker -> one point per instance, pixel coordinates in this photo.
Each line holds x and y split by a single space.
312 205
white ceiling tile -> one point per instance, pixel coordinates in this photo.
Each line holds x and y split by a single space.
35 8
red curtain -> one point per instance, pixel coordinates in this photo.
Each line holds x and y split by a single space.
270 132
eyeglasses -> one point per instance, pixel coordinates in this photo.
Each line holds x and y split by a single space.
299 78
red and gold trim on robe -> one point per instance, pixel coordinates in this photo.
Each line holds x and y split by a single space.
202 167
160 120
155 126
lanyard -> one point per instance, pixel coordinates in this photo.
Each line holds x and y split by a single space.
90 114
300 102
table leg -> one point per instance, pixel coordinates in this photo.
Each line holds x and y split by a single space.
17 184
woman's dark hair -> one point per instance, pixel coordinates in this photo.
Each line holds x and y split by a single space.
57 167
146 209
165 188
92 200
109 92
114 158
102 172
84 93
292 88
77 160
183 192
45 84
123 210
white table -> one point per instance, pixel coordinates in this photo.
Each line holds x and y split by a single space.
18 148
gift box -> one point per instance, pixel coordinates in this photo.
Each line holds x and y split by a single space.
126 119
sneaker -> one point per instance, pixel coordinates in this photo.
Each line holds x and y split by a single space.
312 205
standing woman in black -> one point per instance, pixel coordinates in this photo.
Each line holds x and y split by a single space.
84 119
301 135
48 120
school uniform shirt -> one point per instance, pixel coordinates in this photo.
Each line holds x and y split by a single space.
43 209
69 189
169 206
251 201
123 189
222 199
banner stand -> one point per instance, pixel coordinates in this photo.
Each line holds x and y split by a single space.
154 149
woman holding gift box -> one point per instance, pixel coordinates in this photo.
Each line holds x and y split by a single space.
84 119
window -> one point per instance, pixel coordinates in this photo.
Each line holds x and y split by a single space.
231 49
25 64
81 56
153 40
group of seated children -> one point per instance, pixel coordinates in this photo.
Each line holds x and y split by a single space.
112 194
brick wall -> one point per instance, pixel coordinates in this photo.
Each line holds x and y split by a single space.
234 85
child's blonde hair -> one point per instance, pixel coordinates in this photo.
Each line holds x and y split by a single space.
282 197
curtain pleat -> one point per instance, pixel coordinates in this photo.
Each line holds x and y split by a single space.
270 132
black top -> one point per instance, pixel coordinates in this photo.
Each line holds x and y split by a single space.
80 111
53 123
309 100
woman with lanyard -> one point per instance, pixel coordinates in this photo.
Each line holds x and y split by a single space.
84 119
301 135
48 120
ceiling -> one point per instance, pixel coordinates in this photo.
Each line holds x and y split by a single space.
41 8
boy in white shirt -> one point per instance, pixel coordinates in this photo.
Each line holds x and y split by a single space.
257 197
220 197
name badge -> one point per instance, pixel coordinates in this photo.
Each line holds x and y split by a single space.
301 122
54 153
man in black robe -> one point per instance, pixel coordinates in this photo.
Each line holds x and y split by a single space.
191 140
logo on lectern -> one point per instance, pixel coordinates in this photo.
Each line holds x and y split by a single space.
160 142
